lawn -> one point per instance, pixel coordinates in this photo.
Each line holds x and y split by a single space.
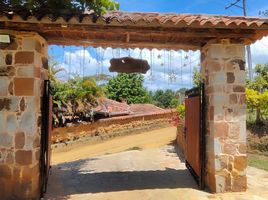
258 161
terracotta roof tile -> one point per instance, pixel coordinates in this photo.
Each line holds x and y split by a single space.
146 109
184 18
169 31
135 18
113 107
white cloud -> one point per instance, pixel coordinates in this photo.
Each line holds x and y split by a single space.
259 51
164 64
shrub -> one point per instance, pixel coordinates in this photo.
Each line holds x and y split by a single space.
256 143
176 120
74 100
181 110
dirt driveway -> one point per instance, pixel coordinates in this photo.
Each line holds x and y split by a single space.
113 171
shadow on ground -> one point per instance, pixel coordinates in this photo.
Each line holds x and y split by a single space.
79 177
76 182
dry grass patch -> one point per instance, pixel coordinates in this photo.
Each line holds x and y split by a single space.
258 161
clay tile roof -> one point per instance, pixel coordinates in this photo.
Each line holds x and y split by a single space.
112 107
146 109
147 18
139 30
187 19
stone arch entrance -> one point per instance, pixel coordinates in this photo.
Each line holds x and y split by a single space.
23 69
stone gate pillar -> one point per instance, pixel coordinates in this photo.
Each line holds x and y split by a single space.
23 65
223 71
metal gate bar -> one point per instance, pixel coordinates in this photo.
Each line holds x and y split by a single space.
203 137
46 128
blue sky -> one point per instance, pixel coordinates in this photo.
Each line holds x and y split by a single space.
192 6
183 63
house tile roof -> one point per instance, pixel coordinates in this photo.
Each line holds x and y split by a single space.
145 109
110 107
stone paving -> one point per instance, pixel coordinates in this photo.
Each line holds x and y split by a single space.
149 174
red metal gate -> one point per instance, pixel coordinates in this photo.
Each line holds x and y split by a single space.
45 148
195 134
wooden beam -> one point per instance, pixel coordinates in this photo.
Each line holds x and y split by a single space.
180 32
124 45
128 37
205 33
133 36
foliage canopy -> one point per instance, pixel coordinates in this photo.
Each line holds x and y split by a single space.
74 98
257 94
168 98
196 77
127 87
58 7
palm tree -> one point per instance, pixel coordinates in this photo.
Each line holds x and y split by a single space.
53 70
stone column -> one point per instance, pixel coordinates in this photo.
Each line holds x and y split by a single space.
23 65
223 71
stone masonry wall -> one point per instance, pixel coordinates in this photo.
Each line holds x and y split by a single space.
108 128
223 70
23 65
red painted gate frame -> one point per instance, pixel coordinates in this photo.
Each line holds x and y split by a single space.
196 107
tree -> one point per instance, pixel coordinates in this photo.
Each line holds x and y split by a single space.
127 87
165 99
196 77
257 93
180 94
257 102
174 103
53 70
57 7
181 110
264 104
157 98
100 77
74 99
260 82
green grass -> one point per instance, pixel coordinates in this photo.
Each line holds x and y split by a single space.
258 161
134 148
